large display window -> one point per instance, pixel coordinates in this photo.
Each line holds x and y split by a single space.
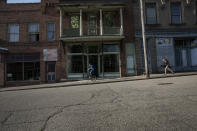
22 67
102 56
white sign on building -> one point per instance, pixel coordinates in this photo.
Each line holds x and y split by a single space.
50 55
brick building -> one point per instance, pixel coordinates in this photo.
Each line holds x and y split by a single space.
171 32
57 39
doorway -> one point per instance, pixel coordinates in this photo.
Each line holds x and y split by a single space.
182 54
51 71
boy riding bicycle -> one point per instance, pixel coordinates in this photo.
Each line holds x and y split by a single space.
91 71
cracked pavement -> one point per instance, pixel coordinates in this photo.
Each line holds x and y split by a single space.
166 104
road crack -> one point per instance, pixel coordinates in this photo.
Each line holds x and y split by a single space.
50 117
6 118
61 109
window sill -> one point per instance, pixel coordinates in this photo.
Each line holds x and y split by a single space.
152 25
180 24
51 40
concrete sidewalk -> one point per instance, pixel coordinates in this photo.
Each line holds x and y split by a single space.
98 81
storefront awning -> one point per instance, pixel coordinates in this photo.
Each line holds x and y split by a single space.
3 50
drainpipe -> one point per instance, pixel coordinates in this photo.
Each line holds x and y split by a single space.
60 22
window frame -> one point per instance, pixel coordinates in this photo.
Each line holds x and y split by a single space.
111 18
90 27
50 31
151 5
175 4
34 33
9 33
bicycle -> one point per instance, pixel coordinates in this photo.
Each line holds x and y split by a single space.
91 75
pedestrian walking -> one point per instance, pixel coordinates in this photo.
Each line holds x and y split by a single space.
167 66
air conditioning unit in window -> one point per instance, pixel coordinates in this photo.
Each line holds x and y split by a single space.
163 2
188 1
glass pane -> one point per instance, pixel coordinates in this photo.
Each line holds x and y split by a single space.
17 29
32 38
51 26
176 10
12 38
31 71
74 21
92 25
85 63
92 21
75 64
51 67
93 49
111 48
14 28
75 48
109 20
151 16
53 77
51 36
111 63
176 19
14 71
176 13
33 28
11 29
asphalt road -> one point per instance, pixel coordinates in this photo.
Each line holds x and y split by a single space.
166 104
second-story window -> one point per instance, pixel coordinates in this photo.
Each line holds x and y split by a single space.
33 32
13 33
92 25
176 13
108 19
151 15
51 31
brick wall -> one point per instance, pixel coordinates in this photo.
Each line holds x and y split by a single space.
2 69
24 14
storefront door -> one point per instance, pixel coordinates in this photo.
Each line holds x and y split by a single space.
51 71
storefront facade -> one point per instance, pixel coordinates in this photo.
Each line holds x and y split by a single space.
104 57
179 48
180 51
94 33
170 30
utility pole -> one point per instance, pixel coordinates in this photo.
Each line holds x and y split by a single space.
144 40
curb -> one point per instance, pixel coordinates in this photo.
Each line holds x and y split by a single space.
96 82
